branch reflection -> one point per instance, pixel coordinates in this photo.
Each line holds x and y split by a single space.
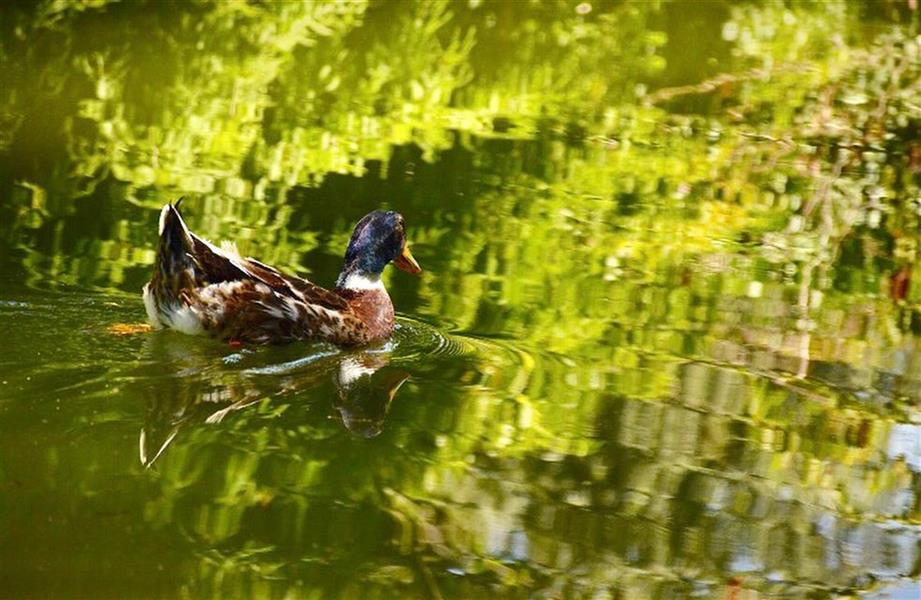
203 390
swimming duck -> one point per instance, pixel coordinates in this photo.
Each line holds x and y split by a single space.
198 288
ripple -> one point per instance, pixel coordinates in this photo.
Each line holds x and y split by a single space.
291 365
417 340
13 304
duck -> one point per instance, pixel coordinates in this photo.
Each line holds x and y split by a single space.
198 288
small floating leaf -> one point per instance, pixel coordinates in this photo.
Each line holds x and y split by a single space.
855 99
128 328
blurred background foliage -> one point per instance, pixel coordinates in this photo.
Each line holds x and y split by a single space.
674 244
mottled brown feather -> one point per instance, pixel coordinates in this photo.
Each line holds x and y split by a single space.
243 299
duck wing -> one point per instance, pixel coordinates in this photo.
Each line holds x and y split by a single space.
297 287
216 265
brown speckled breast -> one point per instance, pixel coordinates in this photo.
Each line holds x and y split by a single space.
373 308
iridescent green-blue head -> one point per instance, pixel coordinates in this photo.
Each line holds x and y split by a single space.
379 238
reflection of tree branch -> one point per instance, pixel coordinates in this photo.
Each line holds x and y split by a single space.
822 196
763 137
717 81
429 578
827 233
771 377
892 90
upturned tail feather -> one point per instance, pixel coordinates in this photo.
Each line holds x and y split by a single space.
176 247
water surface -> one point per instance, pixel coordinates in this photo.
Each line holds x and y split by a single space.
665 344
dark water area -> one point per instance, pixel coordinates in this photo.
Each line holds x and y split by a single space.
665 344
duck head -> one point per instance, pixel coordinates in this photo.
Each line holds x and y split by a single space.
379 238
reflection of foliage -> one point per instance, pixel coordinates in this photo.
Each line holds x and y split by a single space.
694 279
718 457
552 60
339 106
208 110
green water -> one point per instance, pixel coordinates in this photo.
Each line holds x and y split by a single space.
666 343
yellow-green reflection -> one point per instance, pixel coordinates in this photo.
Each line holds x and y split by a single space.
670 340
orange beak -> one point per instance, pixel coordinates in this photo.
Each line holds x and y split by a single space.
406 262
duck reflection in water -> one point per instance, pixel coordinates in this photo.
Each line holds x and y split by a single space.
365 391
204 393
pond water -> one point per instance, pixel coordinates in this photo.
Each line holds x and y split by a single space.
666 343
